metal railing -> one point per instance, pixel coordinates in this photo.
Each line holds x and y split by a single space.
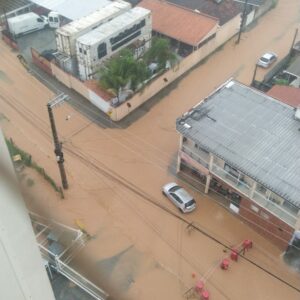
60 261
195 156
81 281
260 199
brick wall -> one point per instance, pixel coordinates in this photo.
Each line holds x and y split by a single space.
266 224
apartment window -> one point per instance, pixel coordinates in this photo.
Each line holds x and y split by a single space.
290 207
125 41
232 171
102 50
80 50
261 189
127 32
84 52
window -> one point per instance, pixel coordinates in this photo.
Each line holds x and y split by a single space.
84 52
127 32
232 171
291 207
116 46
102 50
236 199
80 50
176 198
51 19
39 20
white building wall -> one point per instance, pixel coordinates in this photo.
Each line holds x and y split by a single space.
87 54
22 275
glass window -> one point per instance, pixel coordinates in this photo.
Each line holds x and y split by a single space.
102 50
177 198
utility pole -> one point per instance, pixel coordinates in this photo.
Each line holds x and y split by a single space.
57 144
294 39
242 21
254 75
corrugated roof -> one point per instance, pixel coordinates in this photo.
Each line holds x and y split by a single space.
112 27
72 9
224 11
286 94
252 132
179 23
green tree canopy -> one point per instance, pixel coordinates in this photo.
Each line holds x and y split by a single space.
123 70
160 52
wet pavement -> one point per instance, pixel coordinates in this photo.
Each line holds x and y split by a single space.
140 250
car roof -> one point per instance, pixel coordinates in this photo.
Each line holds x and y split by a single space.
183 195
268 55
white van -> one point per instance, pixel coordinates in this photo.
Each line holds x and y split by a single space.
26 23
54 19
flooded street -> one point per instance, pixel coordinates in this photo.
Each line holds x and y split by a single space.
139 250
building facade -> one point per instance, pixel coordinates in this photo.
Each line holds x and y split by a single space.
242 144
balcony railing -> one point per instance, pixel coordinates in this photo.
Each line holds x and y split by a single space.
260 199
195 156
240 185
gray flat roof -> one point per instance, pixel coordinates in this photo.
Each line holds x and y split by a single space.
252 132
114 26
294 68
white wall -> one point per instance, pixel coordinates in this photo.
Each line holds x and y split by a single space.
22 275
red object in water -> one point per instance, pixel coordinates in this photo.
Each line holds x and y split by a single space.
247 244
225 264
234 254
199 286
205 295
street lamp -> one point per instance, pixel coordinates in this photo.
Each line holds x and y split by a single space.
57 144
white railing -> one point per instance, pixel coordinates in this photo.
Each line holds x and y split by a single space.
60 261
260 199
81 281
195 156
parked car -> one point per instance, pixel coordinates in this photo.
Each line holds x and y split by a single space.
179 196
267 59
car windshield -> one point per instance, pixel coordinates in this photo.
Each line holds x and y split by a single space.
174 188
190 203
263 59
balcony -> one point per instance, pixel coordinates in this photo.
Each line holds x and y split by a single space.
259 198
195 156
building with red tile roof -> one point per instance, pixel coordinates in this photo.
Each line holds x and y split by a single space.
180 24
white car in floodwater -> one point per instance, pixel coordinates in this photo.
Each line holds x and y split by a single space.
267 59
180 197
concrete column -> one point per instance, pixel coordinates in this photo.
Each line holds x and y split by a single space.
208 179
211 161
178 155
253 190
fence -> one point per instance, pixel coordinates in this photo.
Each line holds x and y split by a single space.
41 62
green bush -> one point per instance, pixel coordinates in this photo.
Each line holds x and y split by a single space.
27 160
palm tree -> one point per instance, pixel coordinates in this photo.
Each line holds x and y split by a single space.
122 71
160 52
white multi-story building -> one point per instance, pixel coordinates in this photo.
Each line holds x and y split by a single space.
67 35
245 145
101 43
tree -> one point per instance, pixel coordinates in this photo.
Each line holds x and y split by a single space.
123 71
160 52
